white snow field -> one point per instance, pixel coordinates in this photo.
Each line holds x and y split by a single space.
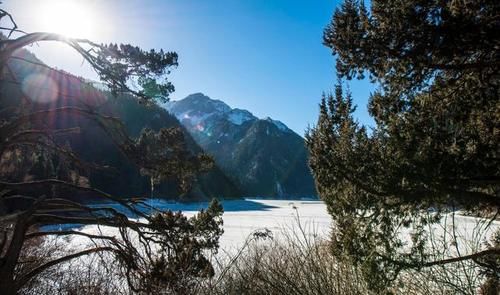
244 217
275 215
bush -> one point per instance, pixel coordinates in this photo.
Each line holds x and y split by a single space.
296 262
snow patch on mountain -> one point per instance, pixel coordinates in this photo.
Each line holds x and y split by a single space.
221 107
281 126
238 116
256 152
192 118
198 108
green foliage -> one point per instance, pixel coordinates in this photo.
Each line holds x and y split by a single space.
181 258
120 64
152 89
164 155
436 139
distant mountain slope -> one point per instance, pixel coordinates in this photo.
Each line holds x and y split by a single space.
264 156
35 86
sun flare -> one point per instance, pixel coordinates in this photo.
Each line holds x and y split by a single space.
71 18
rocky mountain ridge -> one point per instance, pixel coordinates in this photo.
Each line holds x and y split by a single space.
263 155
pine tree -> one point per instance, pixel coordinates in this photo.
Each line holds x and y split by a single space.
436 139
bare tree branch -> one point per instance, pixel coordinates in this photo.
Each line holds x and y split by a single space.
25 278
67 233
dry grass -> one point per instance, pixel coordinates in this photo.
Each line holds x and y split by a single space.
296 262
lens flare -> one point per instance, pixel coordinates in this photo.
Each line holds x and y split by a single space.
200 127
40 88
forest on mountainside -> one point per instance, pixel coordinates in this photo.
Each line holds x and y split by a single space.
124 179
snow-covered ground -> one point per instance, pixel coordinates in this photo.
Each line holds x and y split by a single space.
243 217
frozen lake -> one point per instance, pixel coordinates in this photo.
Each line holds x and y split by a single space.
243 217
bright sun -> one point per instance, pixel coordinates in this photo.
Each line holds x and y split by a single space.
68 17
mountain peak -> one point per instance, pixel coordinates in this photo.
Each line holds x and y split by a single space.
202 98
199 107
197 104
263 155
198 96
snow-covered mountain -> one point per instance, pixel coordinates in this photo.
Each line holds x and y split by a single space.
263 155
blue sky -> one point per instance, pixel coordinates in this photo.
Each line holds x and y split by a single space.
262 55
